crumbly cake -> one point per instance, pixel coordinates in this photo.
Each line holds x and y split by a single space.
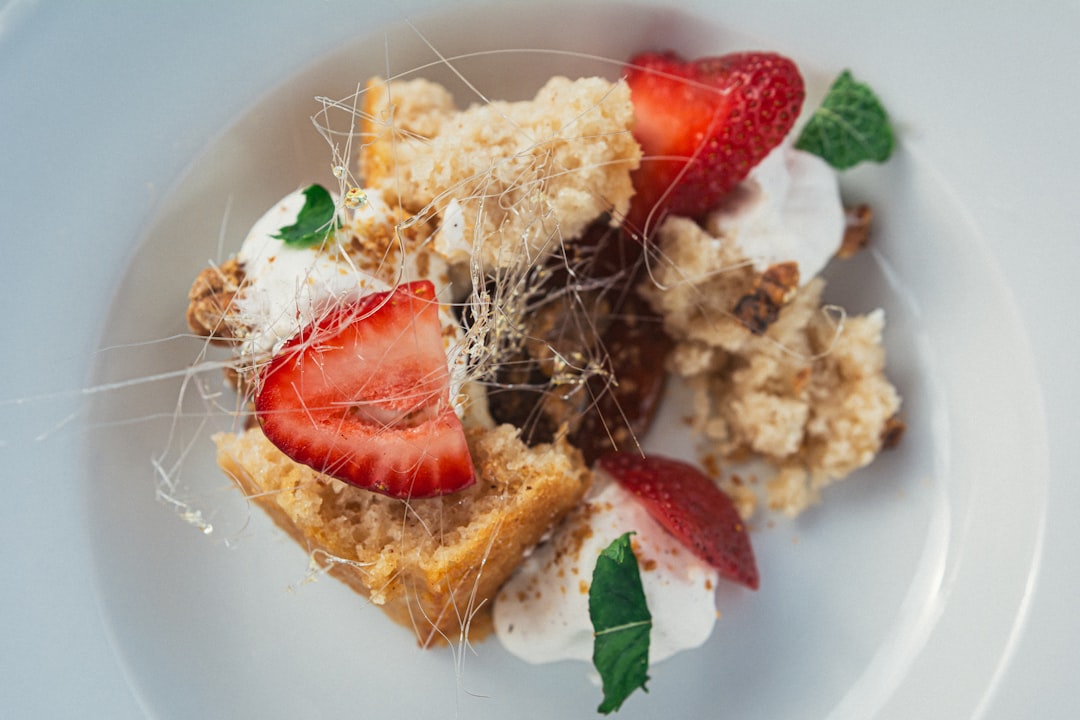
432 564
512 174
808 393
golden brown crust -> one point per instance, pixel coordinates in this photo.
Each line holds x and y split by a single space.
893 432
856 230
210 299
393 114
433 565
375 142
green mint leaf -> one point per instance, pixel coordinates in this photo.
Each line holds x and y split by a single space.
621 623
850 126
315 221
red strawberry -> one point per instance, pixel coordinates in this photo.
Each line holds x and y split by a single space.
692 508
703 125
363 395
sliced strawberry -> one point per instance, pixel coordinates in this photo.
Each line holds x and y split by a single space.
363 396
703 125
691 506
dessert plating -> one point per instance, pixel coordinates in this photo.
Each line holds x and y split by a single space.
566 254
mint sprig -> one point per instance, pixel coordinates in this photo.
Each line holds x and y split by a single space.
621 624
315 221
851 126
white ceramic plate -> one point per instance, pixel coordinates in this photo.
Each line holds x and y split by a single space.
138 143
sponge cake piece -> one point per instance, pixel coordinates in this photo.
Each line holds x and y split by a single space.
515 178
435 564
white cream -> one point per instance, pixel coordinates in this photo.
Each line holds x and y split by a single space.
542 613
787 209
287 287
450 240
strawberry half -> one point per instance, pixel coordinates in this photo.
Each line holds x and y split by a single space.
691 507
703 125
363 396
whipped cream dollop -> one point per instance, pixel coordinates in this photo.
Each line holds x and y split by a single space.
287 287
787 209
542 612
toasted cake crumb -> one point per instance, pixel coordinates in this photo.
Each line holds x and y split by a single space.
431 564
521 176
807 393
